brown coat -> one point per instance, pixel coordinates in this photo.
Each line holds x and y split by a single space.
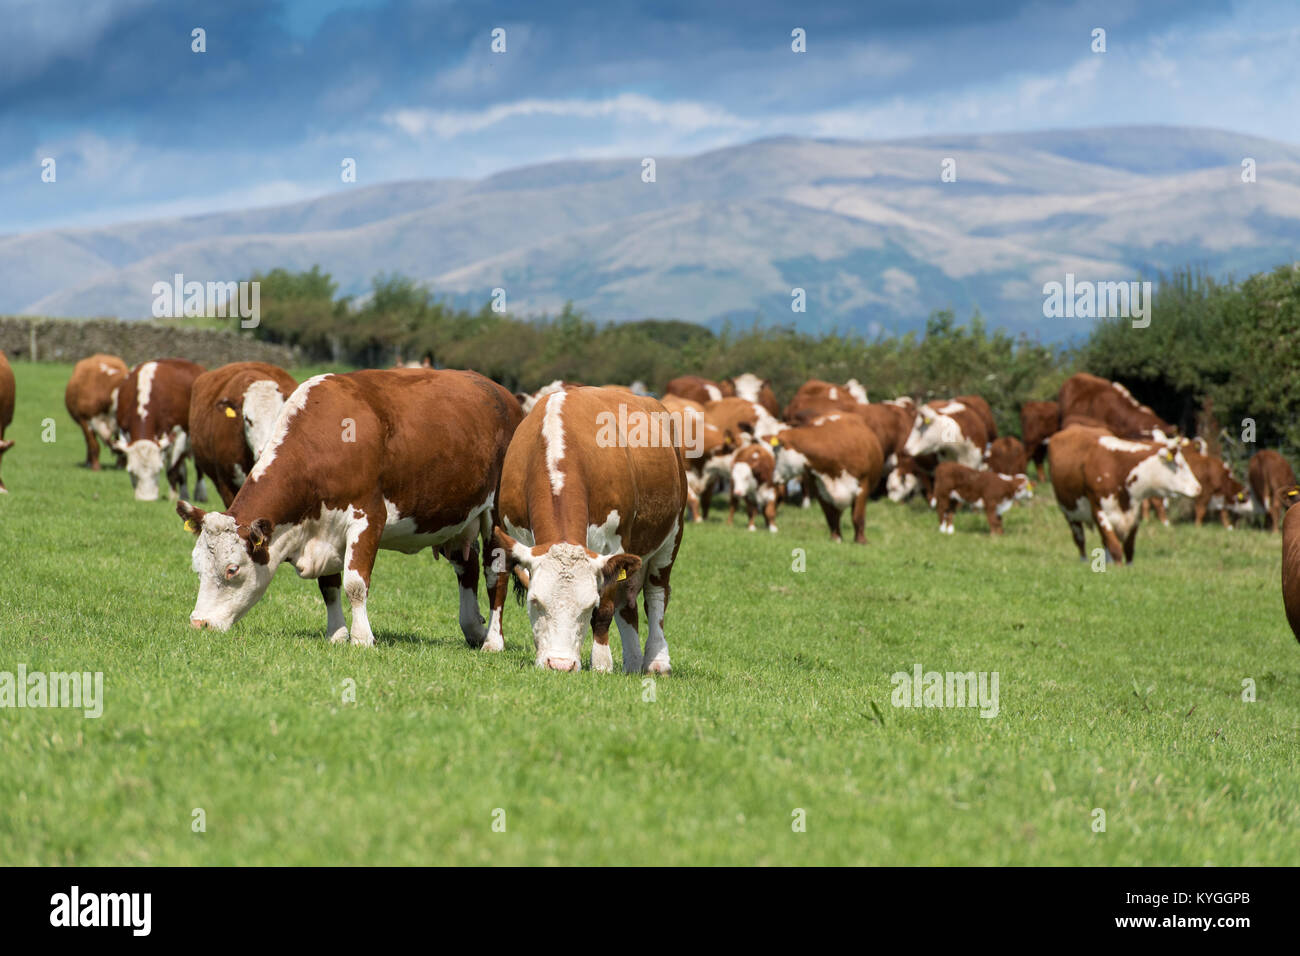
1270 474
1109 403
817 397
955 484
1039 421
1291 558
220 424
697 389
90 398
1007 456
840 462
6 407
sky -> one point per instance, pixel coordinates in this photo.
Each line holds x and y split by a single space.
140 126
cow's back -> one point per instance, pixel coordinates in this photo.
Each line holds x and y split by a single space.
1069 455
90 388
168 398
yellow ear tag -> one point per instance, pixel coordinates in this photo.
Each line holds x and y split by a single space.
189 526
622 574
774 442
230 412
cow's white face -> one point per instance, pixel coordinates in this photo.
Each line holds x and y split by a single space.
144 463
900 486
1024 487
932 433
231 579
1168 473
261 407
565 583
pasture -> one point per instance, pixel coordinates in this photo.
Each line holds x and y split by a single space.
1120 691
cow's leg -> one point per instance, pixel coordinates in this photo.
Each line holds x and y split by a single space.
1130 541
1275 512
995 519
1225 519
706 499
731 509
860 515
832 514
693 505
628 622
769 514
1162 515
496 578
200 488
358 562
92 445
1114 547
4 447
1076 531
336 628
463 556
751 511
1201 507
602 661
177 475
656 604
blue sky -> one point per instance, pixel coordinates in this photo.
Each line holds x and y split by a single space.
142 127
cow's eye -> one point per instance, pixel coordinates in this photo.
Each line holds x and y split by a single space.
231 571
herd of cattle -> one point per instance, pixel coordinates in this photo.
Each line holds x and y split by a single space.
325 473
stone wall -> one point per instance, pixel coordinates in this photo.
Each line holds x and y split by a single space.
65 340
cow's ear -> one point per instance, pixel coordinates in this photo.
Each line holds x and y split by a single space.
621 568
516 551
228 408
259 535
192 516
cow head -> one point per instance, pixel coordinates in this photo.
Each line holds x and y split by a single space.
932 433
145 463
259 410
901 484
1024 488
232 562
1171 474
566 582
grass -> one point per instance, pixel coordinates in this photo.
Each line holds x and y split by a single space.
1120 691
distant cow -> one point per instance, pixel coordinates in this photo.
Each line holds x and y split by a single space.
1111 404
955 485
6 408
1007 456
950 430
91 400
839 462
153 417
752 481
1270 474
418 468
749 386
1101 480
702 390
1220 490
590 524
1291 558
816 397
232 416
702 474
1039 421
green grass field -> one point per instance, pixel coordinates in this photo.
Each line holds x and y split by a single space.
1119 691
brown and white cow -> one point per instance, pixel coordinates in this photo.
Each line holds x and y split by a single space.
1270 475
1220 490
839 461
153 421
591 522
1101 480
752 388
697 389
91 400
7 393
232 417
400 459
956 485
1111 404
702 476
1291 557
1039 421
1007 456
752 481
816 397
949 430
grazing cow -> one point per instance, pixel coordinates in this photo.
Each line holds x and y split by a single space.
816 397
1039 421
956 485
91 400
752 388
232 416
752 471
1007 456
153 416
892 425
1291 558
702 390
741 420
589 523
1101 480
6 408
1111 404
909 477
401 459
839 461
1220 490
1270 474
949 430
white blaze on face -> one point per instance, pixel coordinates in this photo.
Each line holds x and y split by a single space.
144 388
553 439
262 403
563 590
743 482
900 487
230 581
144 464
295 403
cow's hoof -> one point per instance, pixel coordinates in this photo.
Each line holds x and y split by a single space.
363 640
659 666
494 645
602 661
340 636
772 528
